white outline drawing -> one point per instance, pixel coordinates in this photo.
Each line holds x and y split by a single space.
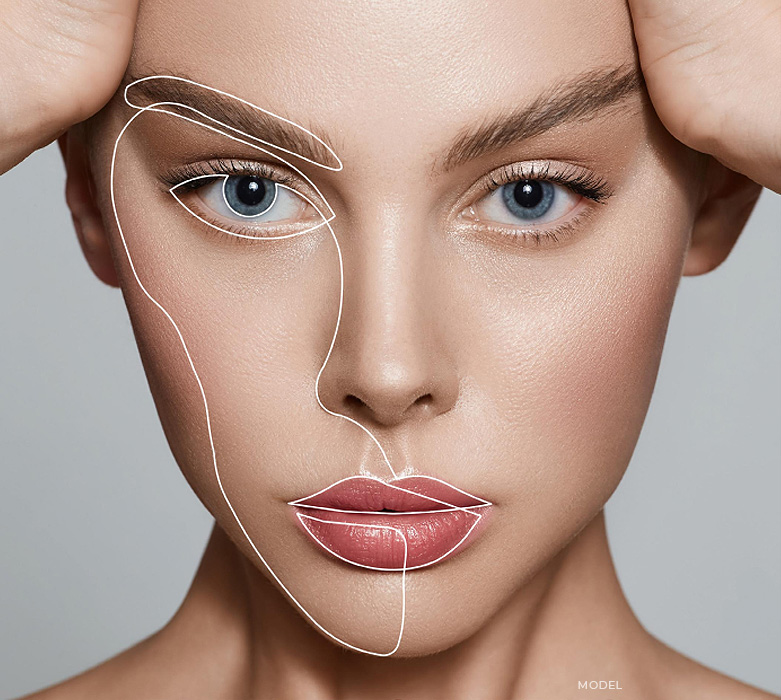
481 503
248 140
404 568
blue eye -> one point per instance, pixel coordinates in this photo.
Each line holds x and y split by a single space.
526 202
528 199
248 195
251 201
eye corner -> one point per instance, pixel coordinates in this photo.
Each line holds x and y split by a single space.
191 183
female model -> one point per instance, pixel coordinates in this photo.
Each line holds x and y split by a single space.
400 276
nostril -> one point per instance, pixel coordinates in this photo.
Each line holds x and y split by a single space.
387 411
425 400
389 393
351 401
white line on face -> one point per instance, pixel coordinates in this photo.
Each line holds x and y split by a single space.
250 140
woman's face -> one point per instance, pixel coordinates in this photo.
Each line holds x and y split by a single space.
512 223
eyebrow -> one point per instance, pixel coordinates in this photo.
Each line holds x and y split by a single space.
576 100
236 114
579 99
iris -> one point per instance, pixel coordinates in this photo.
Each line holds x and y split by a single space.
528 199
248 195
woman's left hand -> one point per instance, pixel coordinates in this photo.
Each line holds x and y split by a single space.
713 71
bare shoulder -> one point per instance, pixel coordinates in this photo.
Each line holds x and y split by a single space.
171 663
687 679
119 678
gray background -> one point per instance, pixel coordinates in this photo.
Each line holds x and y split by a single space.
100 534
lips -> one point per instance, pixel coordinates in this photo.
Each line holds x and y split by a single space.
407 523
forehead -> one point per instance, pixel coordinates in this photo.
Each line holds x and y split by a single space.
407 69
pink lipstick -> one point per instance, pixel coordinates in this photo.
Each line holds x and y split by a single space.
406 523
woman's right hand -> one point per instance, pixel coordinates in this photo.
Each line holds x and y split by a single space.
60 62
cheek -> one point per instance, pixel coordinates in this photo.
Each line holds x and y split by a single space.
244 324
558 351
565 348
257 321
587 387
226 327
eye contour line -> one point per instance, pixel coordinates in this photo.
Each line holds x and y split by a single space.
158 107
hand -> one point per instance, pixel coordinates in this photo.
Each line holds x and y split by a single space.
713 70
60 62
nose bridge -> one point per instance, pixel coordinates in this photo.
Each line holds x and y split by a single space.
390 361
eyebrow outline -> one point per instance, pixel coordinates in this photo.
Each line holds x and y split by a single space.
579 99
180 95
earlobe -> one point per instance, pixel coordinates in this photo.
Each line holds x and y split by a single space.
726 204
87 220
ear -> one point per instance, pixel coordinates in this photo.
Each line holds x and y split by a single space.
80 196
726 203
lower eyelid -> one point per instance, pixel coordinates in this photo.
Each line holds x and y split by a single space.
531 236
198 175
236 230
496 199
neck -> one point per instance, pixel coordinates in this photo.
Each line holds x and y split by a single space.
569 625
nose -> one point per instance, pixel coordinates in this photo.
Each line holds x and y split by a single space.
391 363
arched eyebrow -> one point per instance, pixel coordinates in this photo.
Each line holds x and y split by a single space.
235 113
579 99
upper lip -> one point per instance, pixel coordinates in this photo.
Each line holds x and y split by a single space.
409 494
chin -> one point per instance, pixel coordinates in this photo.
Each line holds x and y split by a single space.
363 611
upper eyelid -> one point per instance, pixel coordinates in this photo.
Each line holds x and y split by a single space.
205 178
552 170
224 168
579 179
325 220
561 173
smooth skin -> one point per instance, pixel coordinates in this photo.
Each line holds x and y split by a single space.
215 647
707 66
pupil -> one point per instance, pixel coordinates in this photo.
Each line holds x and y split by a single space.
250 191
528 193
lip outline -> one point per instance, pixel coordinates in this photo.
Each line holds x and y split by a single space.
479 504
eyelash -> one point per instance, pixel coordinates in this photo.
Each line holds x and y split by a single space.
222 166
193 176
580 181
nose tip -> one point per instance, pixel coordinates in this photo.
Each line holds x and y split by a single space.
403 378
391 396
391 359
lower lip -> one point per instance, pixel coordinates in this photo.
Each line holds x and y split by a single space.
377 541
